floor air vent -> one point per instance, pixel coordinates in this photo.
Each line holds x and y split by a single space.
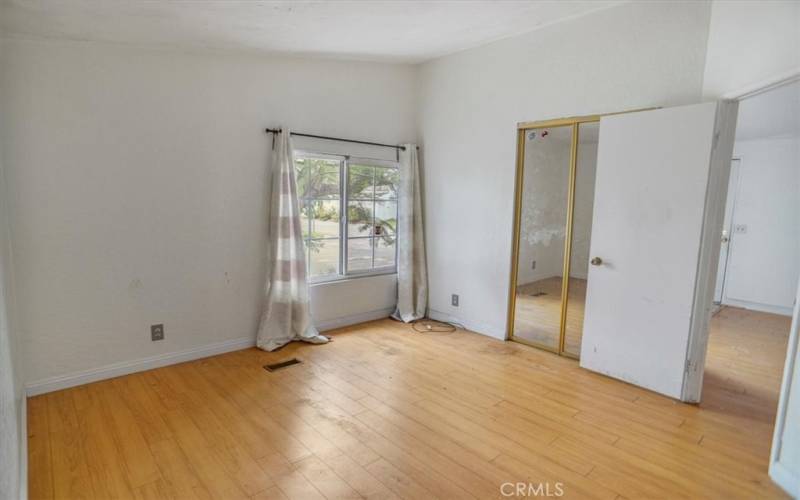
281 364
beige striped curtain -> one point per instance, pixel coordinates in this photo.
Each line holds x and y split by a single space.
286 312
412 267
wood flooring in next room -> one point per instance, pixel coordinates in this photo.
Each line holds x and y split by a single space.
386 412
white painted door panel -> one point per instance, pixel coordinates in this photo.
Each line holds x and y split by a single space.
650 198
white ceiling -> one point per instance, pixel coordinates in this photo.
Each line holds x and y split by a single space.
772 113
395 31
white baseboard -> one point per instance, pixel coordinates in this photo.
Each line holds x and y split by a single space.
353 319
473 326
784 478
137 365
755 306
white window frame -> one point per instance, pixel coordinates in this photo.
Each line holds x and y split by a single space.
344 172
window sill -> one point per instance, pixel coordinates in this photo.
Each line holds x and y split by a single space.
350 277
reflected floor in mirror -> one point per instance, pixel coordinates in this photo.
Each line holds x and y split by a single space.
537 317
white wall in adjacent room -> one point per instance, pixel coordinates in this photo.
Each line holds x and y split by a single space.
763 265
138 190
636 55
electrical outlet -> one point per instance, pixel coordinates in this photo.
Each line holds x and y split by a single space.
740 228
533 265
156 332
454 300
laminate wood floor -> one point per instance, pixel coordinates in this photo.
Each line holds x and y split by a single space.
385 412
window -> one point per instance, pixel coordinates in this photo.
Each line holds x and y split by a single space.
348 210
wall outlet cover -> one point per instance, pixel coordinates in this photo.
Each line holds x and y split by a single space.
156 332
454 300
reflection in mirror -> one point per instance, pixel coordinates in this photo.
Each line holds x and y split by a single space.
581 234
542 235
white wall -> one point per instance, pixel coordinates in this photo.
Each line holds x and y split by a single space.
636 55
12 402
138 190
751 43
763 265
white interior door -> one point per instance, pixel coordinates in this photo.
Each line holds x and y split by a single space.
725 236
659 191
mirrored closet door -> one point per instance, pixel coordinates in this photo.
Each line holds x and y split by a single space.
553 224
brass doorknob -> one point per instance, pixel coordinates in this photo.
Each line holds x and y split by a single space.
596 261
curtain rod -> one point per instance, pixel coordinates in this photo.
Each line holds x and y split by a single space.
277 131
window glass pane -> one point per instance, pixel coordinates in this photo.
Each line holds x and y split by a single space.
324 257
371 207
385 219
359 254
359 218
305 213
386 180
325 218
327 181
317 178
304 171
360 183
385 252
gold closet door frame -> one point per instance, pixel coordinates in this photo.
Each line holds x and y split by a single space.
522 129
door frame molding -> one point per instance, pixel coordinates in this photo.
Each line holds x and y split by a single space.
708 258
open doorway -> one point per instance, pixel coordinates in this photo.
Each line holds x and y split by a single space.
759 267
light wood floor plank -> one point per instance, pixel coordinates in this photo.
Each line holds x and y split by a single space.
140 466
107 468
289 480
401 484
180 476
39 457
210 470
